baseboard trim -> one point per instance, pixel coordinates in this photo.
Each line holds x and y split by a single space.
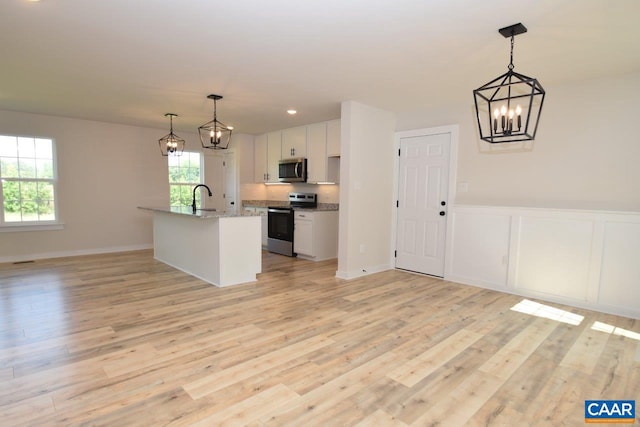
554 299
354 274
64 254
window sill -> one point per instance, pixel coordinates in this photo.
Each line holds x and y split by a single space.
5 228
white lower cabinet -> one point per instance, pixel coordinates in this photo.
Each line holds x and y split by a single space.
303 234
316 234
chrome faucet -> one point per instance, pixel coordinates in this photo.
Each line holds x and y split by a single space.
193 204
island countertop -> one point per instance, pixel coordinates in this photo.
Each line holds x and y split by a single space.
200 213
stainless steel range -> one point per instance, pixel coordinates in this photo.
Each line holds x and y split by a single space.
280 222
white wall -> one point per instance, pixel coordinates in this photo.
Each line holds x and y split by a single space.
366 189
104 172
584 157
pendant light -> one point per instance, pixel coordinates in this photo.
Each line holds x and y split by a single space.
508 108
171 144
215 134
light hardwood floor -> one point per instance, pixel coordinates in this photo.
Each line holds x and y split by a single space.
123 340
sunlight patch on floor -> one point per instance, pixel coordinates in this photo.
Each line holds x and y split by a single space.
610 329
541 310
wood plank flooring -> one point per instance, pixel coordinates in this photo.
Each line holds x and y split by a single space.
124 340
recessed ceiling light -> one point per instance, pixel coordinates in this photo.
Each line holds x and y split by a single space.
291 111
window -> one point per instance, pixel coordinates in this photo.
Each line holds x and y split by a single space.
185 172
28 180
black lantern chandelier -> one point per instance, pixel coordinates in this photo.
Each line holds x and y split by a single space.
215 134
172 144
508 107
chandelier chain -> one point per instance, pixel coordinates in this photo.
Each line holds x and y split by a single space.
511 59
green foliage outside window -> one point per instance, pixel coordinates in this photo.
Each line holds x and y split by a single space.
27 173
184 173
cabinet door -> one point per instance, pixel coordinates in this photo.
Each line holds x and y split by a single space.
333 138
317 153
260 158
274 144
294 142
303 234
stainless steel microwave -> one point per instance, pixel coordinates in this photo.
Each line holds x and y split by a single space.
292 170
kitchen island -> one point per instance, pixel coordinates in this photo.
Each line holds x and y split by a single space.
223 249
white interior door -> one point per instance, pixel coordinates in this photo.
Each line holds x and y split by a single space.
422 203
214 178
230 192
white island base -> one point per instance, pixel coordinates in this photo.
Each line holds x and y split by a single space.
221 250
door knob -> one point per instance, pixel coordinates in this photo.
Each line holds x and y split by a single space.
441 213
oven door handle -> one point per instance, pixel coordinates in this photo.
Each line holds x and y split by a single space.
285 211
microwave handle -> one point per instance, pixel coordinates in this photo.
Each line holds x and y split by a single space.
298 165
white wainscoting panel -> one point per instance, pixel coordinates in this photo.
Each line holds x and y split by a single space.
620 273
553 256
588 259
480 244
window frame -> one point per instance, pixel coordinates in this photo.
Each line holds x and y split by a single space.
37 225
185 184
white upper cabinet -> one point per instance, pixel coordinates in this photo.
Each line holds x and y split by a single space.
274 142
318 142
333 138
260 158
317 153
294 142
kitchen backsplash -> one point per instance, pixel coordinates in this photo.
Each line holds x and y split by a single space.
326 193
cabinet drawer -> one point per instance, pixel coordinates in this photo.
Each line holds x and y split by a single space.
303 215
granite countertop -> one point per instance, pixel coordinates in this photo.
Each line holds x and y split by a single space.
186 210
281 203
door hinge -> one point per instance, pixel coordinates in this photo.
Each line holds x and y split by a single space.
397 203
395 254
224 163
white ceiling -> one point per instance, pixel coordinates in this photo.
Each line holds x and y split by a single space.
131 61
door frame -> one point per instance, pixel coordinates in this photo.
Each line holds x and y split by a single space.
454 131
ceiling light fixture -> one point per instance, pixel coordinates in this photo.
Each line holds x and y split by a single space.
172 144
508 107
215 134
